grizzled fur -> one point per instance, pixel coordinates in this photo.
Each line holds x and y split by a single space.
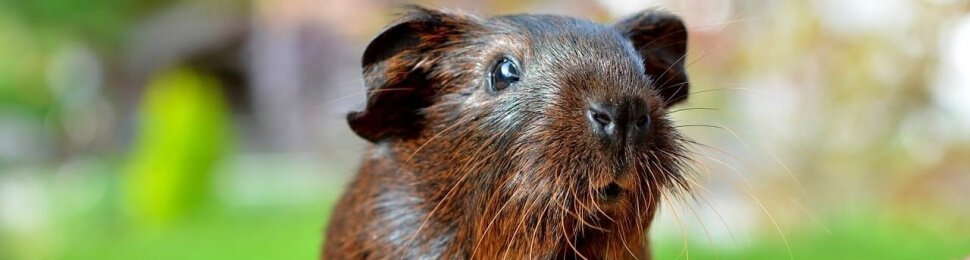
458 170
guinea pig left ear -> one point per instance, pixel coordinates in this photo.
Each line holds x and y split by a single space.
661 40
396 65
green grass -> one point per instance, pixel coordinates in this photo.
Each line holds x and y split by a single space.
296 233
867 236
258 233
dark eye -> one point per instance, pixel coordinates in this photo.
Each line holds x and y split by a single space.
504 74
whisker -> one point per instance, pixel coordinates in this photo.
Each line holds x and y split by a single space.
692 108
703 226
773 222
725 23
489 226
773 156
562 223
447 195
686 250
358 94
581 219
763 208
690 63
731 88
623 239
811 216
535 231
783 166
723 222
515 233
696 125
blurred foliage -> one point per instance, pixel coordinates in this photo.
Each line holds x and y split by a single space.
183 133
21 69
99 21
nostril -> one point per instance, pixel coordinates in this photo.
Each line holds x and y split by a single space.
642 120
602 118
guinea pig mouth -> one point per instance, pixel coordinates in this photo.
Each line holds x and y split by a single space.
610 192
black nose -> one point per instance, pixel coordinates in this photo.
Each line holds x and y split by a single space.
618 120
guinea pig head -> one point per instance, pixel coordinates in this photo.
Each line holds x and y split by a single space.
548 131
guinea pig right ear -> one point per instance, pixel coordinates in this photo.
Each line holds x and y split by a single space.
661 40
396 65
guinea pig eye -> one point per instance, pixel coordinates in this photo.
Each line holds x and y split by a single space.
504 74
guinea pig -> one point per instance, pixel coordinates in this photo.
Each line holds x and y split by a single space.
518 137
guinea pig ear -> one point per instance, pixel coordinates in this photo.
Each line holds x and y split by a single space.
661 40
395 65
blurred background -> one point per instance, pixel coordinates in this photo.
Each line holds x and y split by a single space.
190 129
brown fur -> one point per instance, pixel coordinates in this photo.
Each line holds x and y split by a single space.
459 171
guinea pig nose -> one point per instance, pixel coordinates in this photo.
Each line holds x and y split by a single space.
613 121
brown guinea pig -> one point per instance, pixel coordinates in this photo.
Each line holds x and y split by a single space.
519 137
